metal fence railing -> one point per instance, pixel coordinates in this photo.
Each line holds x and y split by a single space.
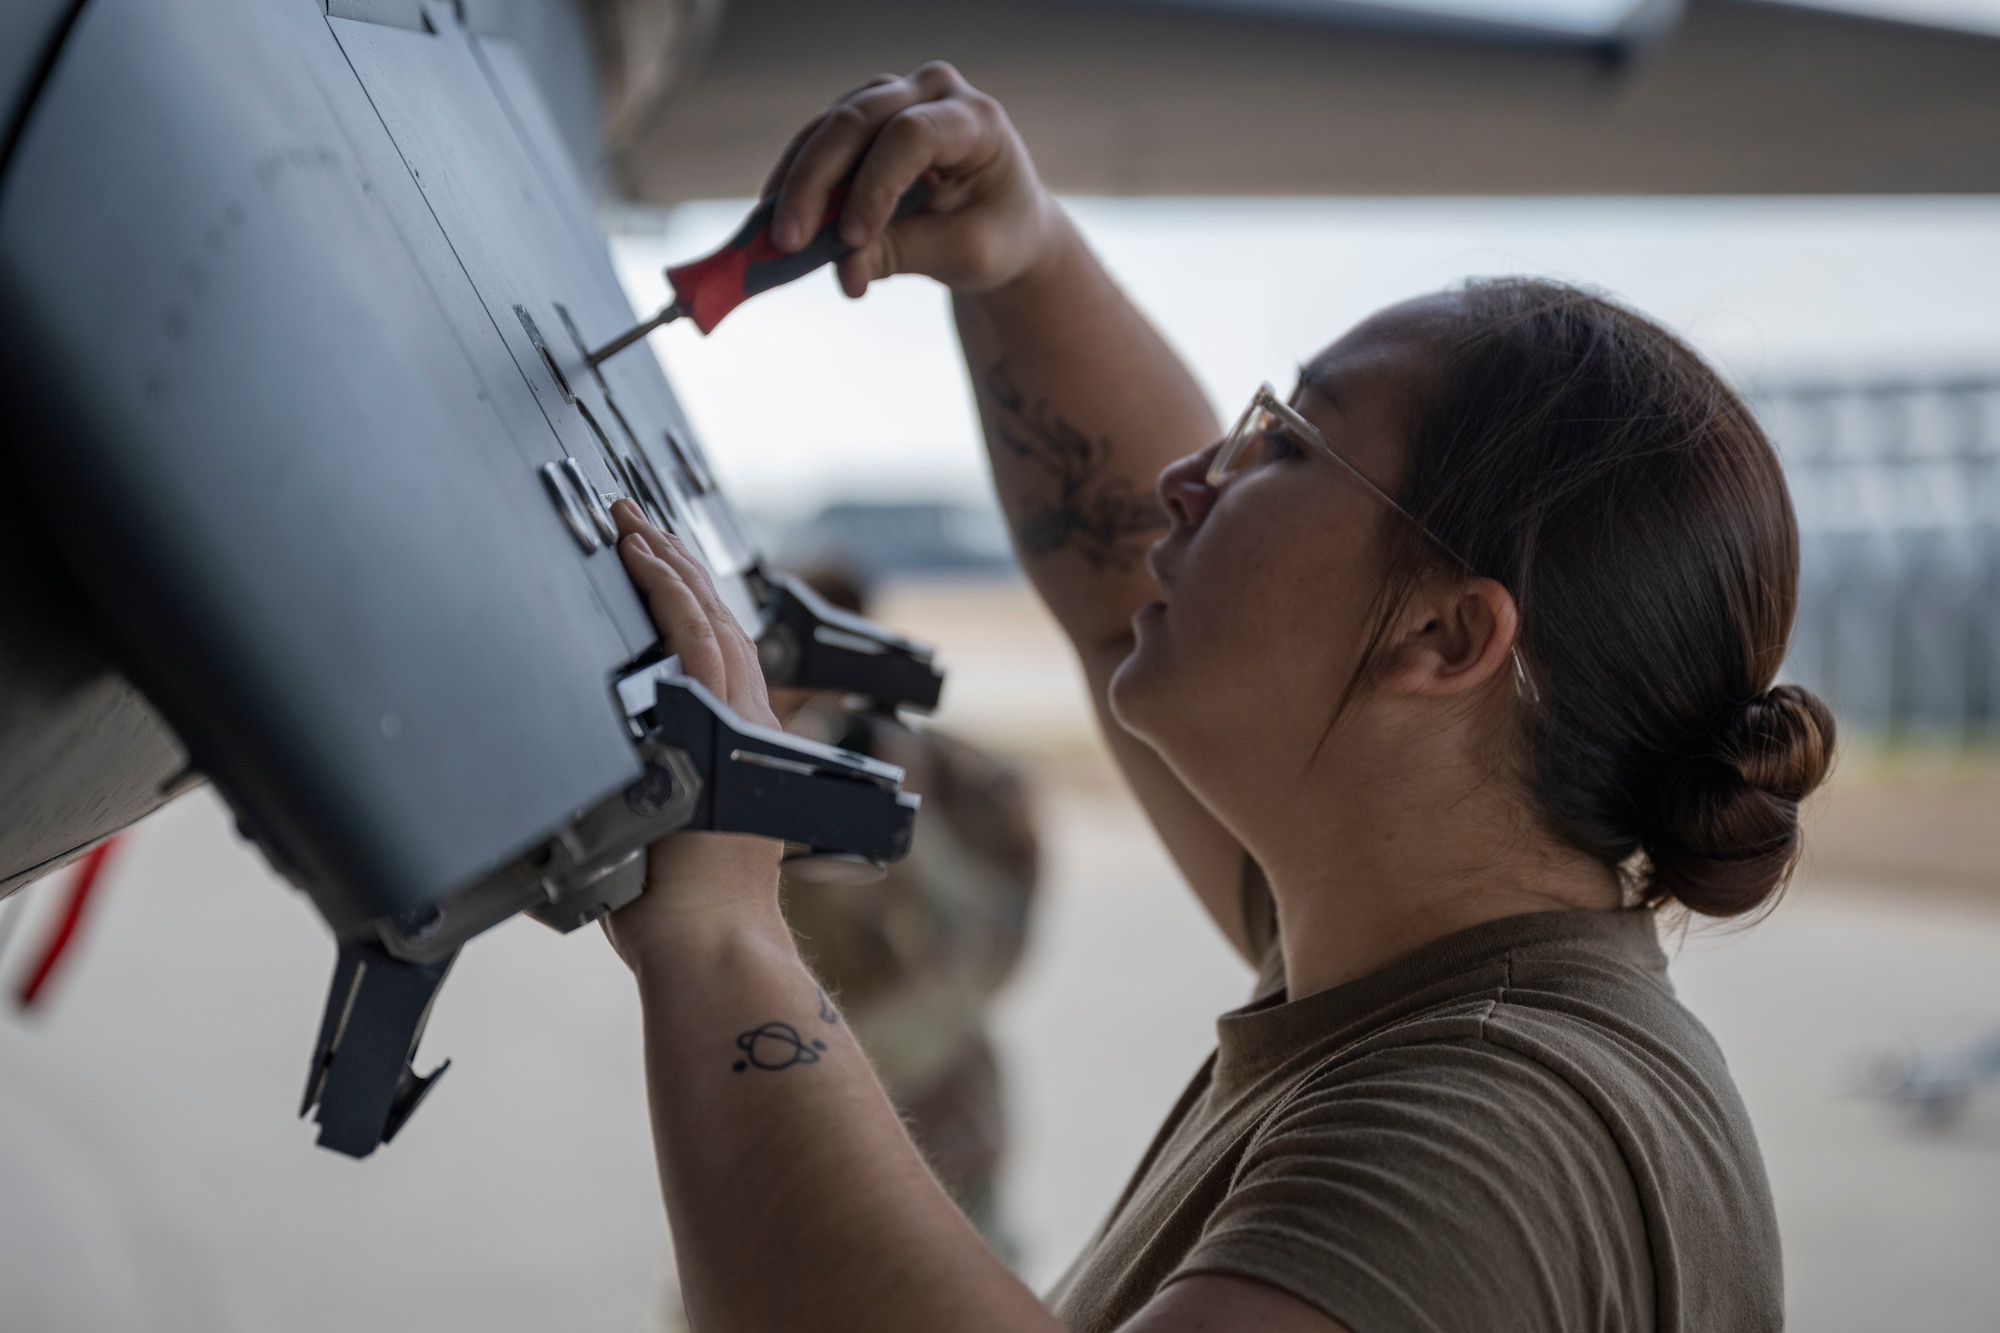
1897 484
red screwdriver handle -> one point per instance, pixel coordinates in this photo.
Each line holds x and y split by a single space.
709 288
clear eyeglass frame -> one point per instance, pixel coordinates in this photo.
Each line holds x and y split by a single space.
1269 414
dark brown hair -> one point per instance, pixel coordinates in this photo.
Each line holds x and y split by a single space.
1595 465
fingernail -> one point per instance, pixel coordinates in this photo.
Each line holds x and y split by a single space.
853 232
784 232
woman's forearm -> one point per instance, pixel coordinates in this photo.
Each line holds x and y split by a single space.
1083 403
796 1198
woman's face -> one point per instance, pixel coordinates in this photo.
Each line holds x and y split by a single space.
1268 581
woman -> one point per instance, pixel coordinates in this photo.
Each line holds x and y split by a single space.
1441 679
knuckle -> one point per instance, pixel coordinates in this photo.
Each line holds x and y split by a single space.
961 122
909 125
847 116
938 73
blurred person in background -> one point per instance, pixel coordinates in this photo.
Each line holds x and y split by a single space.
915 959
1442 680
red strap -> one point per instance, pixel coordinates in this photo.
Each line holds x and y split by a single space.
72 913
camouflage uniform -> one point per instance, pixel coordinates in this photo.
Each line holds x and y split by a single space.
916 957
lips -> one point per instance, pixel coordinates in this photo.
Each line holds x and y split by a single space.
1157 556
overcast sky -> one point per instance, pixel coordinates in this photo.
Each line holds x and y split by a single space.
802 397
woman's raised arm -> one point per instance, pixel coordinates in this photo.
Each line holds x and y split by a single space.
1082 401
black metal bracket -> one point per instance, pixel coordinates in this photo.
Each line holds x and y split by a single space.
809 643
362 1081
777 785
705 767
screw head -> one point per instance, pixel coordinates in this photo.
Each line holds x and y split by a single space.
652 793
420 923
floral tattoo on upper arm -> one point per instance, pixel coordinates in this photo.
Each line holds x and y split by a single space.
1097 517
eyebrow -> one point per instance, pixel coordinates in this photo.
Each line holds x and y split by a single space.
1310 378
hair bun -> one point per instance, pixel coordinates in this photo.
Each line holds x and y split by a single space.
1727 828
1781 742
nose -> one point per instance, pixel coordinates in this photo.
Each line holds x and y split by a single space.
1184 490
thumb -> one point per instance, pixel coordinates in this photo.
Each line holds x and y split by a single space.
856 269
883 257
932 244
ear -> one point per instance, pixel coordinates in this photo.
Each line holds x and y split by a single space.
1451 639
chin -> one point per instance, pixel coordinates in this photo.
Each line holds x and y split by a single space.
1135 684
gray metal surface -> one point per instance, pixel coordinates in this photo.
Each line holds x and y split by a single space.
29 31
554 39
82 754
283 426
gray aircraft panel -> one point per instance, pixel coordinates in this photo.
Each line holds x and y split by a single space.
308 444
568 193
508 393
635 395
638 411
387 179
440 100
451 129
642 410
267 595
28 31
82 754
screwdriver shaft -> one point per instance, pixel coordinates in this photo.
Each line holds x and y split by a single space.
709 288
668 314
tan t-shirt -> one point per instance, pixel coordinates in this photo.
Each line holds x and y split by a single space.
1516 1127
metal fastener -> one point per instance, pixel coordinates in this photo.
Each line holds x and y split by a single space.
575 517
593 503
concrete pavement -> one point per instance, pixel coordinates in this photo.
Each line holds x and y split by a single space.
152 1174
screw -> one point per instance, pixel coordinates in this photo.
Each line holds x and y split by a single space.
652 793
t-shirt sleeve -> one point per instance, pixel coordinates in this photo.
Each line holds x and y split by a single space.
1438 1186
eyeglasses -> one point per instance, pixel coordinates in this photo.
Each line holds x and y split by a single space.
1262 429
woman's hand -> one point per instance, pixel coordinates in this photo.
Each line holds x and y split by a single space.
989 220
695 878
